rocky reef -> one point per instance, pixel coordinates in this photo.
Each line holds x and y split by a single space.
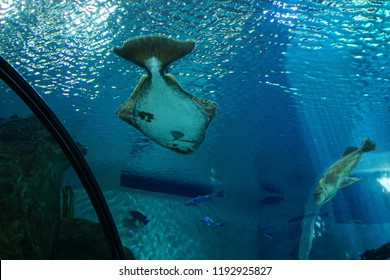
31 170
381 253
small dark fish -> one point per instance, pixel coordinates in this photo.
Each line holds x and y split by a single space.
211 223
265 232
197 200
138 216
301 217
273 199
270 188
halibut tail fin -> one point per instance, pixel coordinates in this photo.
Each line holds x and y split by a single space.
368 145
166 50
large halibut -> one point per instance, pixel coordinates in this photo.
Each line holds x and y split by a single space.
159 107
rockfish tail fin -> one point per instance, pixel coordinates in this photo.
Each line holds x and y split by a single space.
166 50
368 145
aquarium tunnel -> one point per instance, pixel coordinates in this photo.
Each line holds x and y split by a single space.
287 103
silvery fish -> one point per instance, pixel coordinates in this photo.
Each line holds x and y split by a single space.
210 222
197 200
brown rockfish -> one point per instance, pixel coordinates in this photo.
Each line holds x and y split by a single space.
337 176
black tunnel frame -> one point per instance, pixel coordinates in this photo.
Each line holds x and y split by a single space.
36 104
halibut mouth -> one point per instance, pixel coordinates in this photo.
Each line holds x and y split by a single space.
159 107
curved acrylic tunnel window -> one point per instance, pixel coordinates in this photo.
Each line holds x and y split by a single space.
38 193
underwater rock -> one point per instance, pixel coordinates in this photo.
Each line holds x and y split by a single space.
83 240
31 169
159 107
381 253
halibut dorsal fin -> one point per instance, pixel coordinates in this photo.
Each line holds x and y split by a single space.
166 50
349 181
350 150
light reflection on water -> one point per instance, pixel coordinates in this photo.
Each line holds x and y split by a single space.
61 43
74 39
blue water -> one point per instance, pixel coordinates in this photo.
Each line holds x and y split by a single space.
296 82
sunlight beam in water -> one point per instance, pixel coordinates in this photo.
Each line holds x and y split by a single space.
385 182
374 163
